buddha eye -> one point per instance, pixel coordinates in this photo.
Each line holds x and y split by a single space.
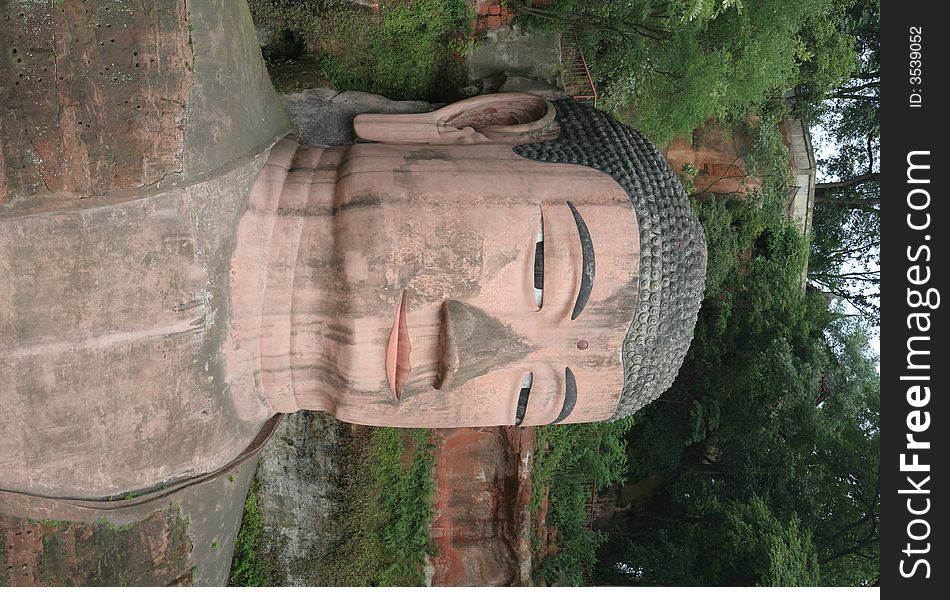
539 265
523 398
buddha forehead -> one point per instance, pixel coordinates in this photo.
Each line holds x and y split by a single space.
442 220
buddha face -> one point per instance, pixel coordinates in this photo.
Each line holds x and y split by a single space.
453 284
480 288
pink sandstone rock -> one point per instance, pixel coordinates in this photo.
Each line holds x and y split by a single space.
169 287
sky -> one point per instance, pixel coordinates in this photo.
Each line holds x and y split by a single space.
825 147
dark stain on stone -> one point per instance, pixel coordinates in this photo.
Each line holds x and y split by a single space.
358 202
155 551
428 154
5 567
472 343
304 211
340 339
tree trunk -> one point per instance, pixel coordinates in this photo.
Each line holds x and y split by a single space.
831 185
869 204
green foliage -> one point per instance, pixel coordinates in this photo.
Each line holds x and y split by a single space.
387 495
737 477
570 461
709 68
698 9
688 178
409 56
405 498
248 568
841 57
825 52
849 437
409 53
667 67
851 116
385 499
766 551
845 250
768 156
755 262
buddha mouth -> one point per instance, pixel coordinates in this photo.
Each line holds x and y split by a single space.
398 350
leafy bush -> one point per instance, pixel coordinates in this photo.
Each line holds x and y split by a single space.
386 495
570 460
405 496
406 54
247 566
667 67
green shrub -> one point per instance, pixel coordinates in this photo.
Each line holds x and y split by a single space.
386 506
569 461
410 52
247 565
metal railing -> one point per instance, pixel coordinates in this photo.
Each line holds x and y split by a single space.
577 80
590 506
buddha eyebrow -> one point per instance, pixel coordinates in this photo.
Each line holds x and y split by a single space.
570 396
587 271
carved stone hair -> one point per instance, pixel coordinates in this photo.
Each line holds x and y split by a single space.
672 245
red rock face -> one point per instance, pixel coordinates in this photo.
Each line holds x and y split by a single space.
95 91
479 513
153 552
490 14
718 157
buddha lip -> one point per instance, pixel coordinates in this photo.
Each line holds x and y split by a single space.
398 349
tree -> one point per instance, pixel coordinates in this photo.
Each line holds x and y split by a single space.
753 468
845 251
840 56
759 465
765 551
847 532
668 66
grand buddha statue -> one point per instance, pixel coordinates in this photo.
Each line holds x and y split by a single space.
176 268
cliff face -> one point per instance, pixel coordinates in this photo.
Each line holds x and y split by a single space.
480 520
298 477
718 155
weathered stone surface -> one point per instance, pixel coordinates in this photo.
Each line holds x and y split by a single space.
514 52
154 551
233 112
299 467
117 97
185 537
517 83
480 518
718 156
324 116
94 95
298 474
113 383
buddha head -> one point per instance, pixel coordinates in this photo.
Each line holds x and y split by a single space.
506 260
178 270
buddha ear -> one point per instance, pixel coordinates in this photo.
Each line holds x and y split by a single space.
512 118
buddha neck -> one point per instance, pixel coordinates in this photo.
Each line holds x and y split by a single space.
282 282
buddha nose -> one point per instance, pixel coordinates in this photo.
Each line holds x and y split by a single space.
472 343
